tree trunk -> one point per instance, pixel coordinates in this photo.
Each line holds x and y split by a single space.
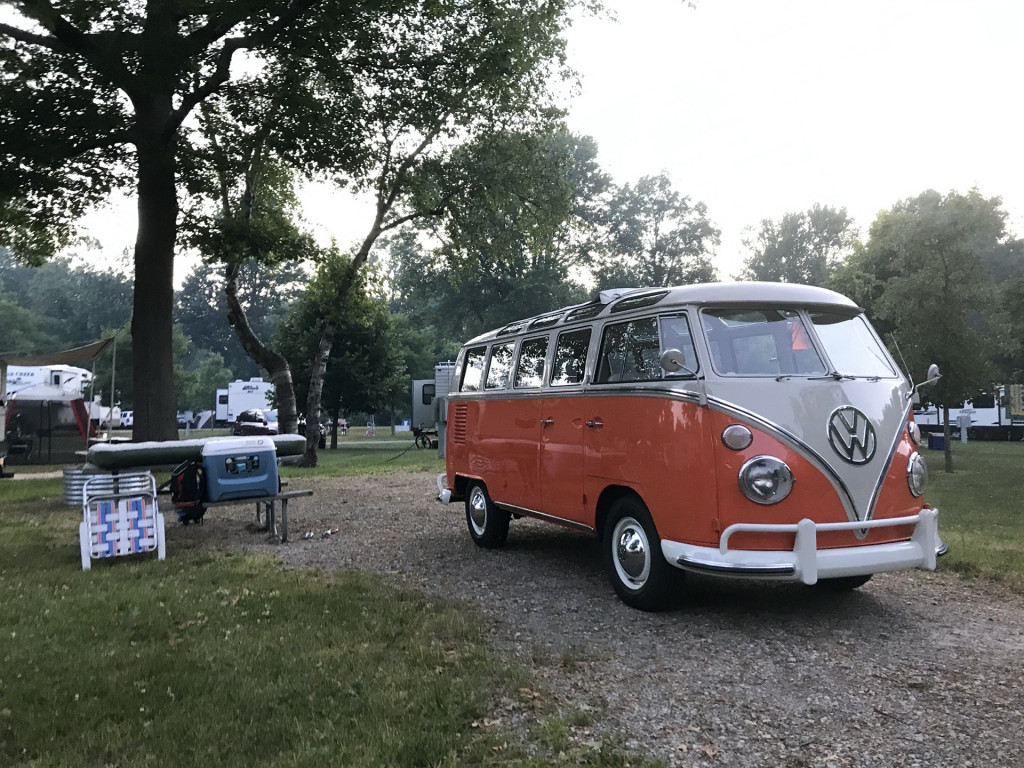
316 388
153 309
946 439
274 363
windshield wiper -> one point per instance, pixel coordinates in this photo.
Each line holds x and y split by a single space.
837 376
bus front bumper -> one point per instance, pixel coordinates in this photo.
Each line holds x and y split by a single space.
805 562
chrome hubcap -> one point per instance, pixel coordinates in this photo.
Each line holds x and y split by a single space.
478 510
631 553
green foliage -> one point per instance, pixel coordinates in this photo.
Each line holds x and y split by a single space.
200 392
265 294
23 331
1011 327
518 205
921 277
801 248
367 363
59 305
653 236
63 129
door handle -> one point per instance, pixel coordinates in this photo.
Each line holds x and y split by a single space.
547 422
595 424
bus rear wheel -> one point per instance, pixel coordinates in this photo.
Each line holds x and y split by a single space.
488 525
639 572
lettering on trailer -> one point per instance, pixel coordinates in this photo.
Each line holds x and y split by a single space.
851 435
1016 401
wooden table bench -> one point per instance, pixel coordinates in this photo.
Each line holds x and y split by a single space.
270 505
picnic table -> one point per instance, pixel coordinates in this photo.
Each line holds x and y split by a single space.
269 504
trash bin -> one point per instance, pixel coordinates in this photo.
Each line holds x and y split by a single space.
937 441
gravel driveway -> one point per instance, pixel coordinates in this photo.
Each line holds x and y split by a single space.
914 669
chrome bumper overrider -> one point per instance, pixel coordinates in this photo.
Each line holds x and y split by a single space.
806 563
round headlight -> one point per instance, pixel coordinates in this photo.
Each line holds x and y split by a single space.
914 432
766 480
917 474
737 437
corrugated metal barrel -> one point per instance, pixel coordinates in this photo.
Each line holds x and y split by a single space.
74 479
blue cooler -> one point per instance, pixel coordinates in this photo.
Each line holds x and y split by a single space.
240 468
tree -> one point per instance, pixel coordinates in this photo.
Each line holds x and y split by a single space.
921 277
201 308
444 78
514 229
652 237
801 248
97 98
368 362
23 331
60 305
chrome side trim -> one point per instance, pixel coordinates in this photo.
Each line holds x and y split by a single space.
524 512
888 463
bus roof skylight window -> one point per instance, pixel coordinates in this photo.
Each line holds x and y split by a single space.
636 302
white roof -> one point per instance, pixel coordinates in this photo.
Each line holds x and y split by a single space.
702 294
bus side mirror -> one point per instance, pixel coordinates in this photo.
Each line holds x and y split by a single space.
672 360
933 376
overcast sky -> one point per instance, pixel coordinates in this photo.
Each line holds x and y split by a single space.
761 108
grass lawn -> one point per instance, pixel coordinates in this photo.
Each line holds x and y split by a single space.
222 659
981 509
219 659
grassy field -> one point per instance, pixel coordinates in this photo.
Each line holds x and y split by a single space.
981 509
221 659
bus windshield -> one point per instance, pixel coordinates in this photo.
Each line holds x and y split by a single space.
851 346
777 342
760 342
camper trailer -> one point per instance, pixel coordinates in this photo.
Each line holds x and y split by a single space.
242 395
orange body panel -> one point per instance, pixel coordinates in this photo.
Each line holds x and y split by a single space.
539 455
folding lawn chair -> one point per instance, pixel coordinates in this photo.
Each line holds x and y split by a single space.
120 517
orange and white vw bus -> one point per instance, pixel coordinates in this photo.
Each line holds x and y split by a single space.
758 430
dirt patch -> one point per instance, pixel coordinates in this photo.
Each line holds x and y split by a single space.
913 669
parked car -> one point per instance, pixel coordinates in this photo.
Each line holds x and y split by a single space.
127 419
253 422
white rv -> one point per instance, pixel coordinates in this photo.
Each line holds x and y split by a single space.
242 396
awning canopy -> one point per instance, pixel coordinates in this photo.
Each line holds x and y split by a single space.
67 357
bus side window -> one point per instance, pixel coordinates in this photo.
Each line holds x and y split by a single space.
500 367
474 369
570 358
530 371
675 334
629 352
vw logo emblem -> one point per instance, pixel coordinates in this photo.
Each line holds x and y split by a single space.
851 435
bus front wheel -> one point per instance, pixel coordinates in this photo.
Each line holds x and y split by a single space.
488 525
632 548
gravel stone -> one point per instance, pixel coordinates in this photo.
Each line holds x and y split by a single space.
912 669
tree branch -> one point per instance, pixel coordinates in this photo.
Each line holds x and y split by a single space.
43 41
